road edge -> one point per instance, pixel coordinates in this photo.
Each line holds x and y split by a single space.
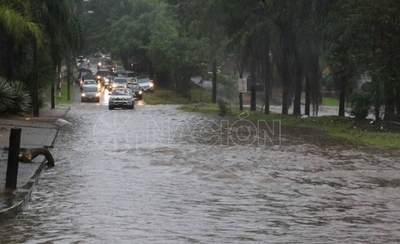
23 195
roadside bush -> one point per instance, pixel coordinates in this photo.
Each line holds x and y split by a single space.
222 107
360 105
14 97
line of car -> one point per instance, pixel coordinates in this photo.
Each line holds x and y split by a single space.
123 86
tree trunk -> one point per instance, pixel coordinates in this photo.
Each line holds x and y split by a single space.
308 96
10 71
298 85
35 95
68 63
239 67
389 96
377 98
214 81
253 86
342 95
397 96
285 76
268 82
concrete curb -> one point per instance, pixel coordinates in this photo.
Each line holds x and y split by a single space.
22 195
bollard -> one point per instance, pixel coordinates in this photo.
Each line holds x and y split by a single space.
12 163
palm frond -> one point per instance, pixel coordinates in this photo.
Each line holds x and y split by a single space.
6 96
14 96
22 96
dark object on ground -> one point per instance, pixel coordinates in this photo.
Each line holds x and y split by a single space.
28 154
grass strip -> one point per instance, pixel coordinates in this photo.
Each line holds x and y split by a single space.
63 99
380 134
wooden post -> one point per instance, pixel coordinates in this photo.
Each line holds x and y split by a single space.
241 100
12 163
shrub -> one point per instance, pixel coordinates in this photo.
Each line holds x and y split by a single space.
222 107
360 105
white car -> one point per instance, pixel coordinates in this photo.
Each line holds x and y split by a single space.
82 62
121 98
145 83
88 82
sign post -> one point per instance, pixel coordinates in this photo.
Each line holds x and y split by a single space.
242 85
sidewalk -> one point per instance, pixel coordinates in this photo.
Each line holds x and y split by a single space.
36 132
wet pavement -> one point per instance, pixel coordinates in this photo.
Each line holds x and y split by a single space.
35 132
160 175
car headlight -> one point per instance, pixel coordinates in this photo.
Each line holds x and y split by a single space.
114 85
98 94
98 77
140 92
99 64
151 84
83 95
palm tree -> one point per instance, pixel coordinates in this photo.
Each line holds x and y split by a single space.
17 25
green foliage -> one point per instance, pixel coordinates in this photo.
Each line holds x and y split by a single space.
360 105
14 97
173 53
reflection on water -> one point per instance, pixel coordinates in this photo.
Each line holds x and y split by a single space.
116 180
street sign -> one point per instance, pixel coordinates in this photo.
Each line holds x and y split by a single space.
242 85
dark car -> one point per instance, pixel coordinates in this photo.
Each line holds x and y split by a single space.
89 76
130 75
101 74
90 93
82 73
119 70
137 91
108 81
105 63
259 84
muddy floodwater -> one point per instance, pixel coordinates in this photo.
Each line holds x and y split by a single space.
160 175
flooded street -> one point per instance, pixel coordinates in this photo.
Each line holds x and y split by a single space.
159 175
